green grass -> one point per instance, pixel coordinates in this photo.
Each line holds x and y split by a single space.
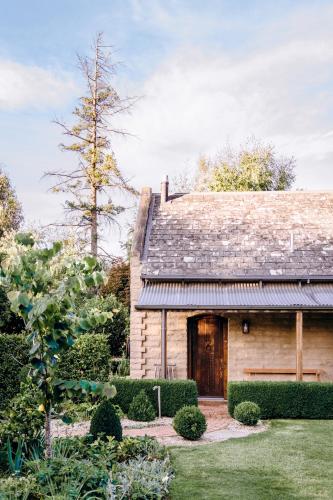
293 459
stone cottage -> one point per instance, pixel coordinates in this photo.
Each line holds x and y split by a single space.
232 286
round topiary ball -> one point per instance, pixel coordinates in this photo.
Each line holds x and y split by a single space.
190 423
106 421
247 412
141 408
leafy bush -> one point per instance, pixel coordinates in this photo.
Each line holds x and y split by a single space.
284 399
77 412
141 479
80 467
141 408
106 452
100 452
13 355
22 418
106 421
190 423
78 476
10 323
247 412
147 447
120 367
88 359
18 487
118 282
115 329
174 393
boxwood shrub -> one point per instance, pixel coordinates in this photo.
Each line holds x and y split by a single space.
13 355
284 399
174 393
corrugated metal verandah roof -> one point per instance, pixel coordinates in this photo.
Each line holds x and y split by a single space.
236 296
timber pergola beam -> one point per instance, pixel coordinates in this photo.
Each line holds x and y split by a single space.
164 343
299 345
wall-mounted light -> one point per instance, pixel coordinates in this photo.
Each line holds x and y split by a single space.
246 326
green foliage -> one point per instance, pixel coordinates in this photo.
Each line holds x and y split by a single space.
284 399
107 451
13 355
73 388
87 448
254 167
22 418
116 328
15 457
190 423
247 412
42 285
88 359
10 209
141 408
61 477
123 369
147 447
9 322
106 421
77 412
80 477
120 367
141 479
174 393
118 282
20 488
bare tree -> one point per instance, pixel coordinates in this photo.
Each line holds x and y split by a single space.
97 175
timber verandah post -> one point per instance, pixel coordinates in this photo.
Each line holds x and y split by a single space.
299 345
164 343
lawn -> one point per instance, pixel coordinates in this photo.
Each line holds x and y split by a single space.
293 459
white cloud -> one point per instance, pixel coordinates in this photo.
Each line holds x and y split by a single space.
196 101
24 86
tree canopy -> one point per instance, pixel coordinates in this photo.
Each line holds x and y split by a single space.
10 208
92 185
42 284
254 166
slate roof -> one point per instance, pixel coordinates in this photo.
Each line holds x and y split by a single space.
243 234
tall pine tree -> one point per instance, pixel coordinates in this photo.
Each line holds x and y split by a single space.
92 184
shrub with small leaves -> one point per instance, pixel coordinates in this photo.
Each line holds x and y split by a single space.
23 418
134 447
190 423
106 422
141 408
19 487
247 412
141 479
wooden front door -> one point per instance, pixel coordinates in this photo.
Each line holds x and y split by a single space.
208 350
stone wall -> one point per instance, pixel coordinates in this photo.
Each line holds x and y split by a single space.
270 344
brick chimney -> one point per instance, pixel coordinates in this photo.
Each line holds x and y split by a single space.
165 190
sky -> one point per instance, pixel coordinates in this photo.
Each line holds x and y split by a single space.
207 73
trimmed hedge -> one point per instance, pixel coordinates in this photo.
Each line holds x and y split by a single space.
87 359
284 399
174 393
13 356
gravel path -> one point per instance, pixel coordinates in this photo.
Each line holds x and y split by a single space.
218 429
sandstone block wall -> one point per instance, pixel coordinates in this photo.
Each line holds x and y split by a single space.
270 344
